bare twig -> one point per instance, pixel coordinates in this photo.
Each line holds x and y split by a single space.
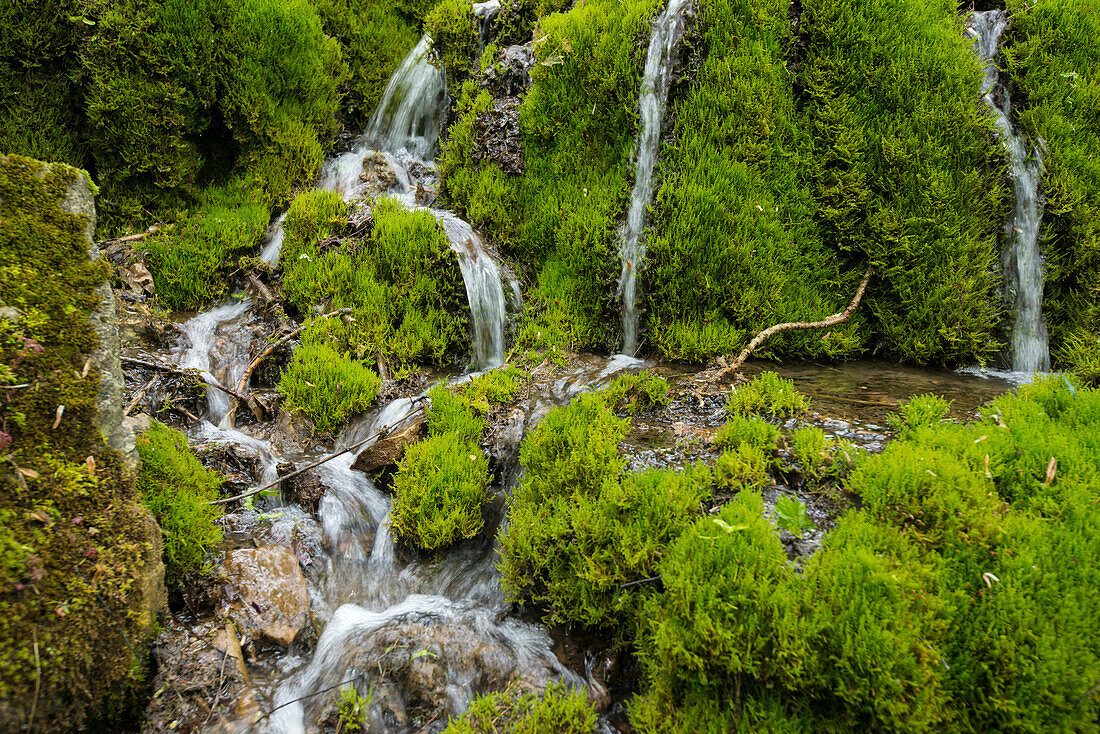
242 384
771 331
37 680
377 434
139 395
132 237
177 370
302 698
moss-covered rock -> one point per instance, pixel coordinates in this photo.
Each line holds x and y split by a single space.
516 711
81 556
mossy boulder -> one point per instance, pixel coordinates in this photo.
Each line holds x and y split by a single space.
80 575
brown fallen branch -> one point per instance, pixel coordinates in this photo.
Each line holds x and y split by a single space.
270 485
131 237
857 401
242 384
834 320
177 370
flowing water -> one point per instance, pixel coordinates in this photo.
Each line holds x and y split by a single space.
1022 261
667 31
402 135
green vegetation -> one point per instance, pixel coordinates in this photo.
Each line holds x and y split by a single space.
352 709
962 598
559 216
820 457
178 490
205 113
580 534
517 711
75 541
439 489
440 486
454 33
769 394
752 431
401 282
905 171
1054 60
735 244
190 261
327 386
637 390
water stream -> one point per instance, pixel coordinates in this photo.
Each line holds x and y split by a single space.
1021 260
667 31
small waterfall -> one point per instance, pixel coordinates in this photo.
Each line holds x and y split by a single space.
667 31
1022 262
204 342
484 290
406 127
410 113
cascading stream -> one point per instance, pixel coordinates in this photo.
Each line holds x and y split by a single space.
1022 261
405 128
667 31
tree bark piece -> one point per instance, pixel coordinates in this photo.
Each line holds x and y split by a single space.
834 320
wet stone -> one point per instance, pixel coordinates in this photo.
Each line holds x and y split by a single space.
266 593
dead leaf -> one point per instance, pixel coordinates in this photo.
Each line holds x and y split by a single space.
90 463
1052 470
29 473
87 367
57 418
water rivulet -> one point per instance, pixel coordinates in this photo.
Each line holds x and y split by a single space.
667 31
1022 261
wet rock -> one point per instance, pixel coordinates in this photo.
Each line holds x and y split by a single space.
389 449
293 432
268 594
241 466
511 74
378 175
140 423
305 489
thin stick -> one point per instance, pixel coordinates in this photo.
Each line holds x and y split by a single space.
37 680
638 582
177 370
378 434
218 690
132 237
833 320
302 698
139 395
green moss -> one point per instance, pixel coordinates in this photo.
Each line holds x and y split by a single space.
74 539
439 489
453 413
637 390
820 457
579 534
735 245
767 393
1052 54
743 466
717 626
178 490
752 431
454 33
905 171
517 711
191 261
560 215
922 410
402 282
327 386
373 40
